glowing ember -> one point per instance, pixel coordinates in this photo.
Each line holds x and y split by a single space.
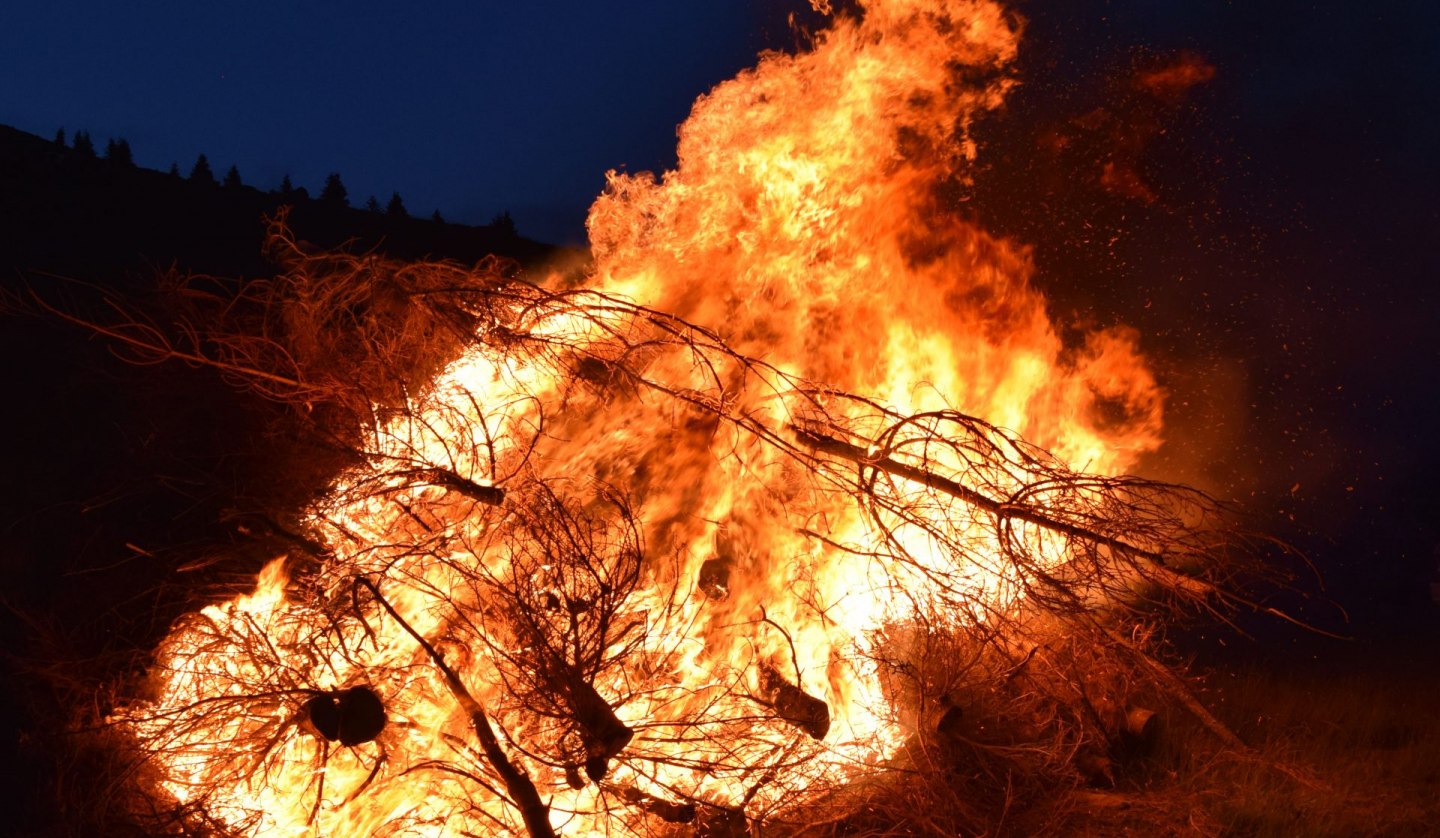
663 572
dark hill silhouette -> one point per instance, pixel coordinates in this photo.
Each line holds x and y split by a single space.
92 218
132 492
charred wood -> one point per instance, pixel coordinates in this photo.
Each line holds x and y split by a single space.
793 704
714 581
665 810
492 495
602 732
349 716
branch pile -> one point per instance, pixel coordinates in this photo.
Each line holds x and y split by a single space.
604 574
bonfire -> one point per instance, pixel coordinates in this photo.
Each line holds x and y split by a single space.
794 512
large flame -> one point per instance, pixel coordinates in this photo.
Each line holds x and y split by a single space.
805 228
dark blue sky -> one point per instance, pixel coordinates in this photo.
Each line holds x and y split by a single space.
475 107
468 107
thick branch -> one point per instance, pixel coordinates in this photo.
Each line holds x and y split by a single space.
1180 692
492 495
856 454
519 786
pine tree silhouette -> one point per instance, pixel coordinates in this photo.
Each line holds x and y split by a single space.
232 178
372 205
437 218
201 173
396 207
83 145
504 224
118 151
60 137
174 169
334 191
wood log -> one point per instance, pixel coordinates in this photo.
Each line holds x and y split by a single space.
1141 723
602 732
714 580
492 495
534 811
349 717
661 808
793 704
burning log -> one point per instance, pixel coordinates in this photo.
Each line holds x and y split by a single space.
349 716
1141 723
793 704
714 581
603 734
492 495
661 808
533 810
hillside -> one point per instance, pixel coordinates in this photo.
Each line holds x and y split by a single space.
132 490
86 217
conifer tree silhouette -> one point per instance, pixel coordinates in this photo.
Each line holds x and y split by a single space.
396 207
201 173
118 151
232 178
334 191
83 143
60 137
504 224
372 205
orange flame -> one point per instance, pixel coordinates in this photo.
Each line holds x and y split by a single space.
804 226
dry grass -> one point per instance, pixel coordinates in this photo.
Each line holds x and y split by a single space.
1348 750
1351 749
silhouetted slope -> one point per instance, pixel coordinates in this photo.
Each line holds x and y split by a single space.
129 492
109 452
91 218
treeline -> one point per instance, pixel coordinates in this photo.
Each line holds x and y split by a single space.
333 192
81 206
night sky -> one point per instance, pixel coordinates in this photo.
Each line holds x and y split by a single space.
1314 276
469 108
473 108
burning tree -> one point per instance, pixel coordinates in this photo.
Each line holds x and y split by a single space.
715 541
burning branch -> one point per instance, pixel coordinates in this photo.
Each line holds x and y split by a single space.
521 790
560 620
1005 513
